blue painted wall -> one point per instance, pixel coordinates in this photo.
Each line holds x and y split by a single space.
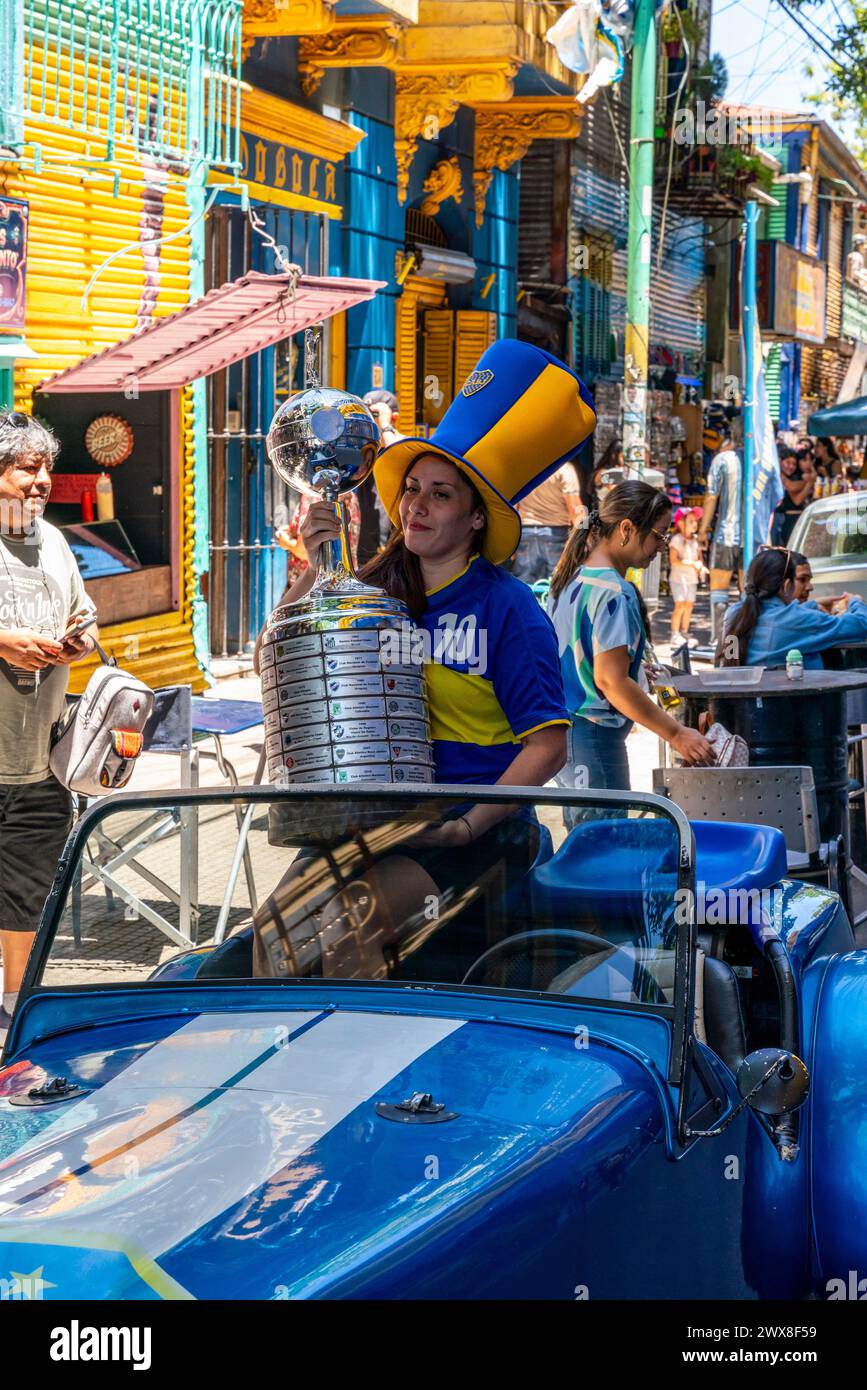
495 248
373 229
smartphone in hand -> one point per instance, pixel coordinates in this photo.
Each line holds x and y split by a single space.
77 631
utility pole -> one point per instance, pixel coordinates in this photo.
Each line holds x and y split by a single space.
750 336
635 431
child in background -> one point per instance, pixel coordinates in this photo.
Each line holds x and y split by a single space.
685 572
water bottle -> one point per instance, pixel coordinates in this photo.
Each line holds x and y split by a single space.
794 665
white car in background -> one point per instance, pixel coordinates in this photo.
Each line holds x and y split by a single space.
832 534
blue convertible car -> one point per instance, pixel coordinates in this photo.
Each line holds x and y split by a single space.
625 1060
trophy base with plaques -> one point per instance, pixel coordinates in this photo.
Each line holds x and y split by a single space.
343 691
343 684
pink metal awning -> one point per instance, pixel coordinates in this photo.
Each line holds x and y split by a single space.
224 326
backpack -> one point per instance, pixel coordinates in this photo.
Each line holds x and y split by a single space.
96 741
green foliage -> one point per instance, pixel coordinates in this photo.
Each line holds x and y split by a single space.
845 91
711 80
733 162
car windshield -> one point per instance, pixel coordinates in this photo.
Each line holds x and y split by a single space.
836 533
575 896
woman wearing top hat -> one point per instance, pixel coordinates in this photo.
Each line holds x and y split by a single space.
495 690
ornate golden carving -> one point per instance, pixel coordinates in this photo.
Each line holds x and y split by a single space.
311 75
426 102
260 9
505 132
443 182
271 17
355 43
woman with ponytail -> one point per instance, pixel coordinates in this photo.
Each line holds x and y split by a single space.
767 624
597 616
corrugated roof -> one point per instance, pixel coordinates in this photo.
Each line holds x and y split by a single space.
224 326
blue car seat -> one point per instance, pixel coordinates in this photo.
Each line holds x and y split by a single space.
604 869
232 959
614 877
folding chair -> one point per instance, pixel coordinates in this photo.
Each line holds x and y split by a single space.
169 730
215 719
173 728
680 660
783 797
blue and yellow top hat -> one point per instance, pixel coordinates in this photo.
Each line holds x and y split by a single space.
517 417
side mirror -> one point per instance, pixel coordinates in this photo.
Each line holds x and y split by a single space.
773 1081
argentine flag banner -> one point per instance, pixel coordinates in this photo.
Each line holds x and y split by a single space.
767 484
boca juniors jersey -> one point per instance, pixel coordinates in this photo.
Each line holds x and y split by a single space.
492 670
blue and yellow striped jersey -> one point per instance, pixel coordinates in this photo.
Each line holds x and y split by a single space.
493 673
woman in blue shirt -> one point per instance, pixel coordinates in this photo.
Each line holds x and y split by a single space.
496 708
767 624
601 636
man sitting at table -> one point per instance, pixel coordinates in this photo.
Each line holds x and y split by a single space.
804 586
768 622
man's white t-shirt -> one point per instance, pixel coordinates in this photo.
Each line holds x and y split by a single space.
40 588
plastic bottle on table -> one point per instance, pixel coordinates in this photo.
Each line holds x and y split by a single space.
794 665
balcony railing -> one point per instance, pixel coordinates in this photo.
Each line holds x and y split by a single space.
160 75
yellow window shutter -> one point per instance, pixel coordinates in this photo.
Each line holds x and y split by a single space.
438 386
337 351
404 362
475 331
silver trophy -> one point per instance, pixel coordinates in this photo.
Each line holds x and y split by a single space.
342 681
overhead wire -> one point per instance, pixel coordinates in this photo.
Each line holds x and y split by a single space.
661 242
759 44
156 241
750 47
816 42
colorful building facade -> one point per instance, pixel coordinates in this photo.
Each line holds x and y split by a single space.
435 105
112 123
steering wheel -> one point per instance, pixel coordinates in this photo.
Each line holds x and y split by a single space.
514 945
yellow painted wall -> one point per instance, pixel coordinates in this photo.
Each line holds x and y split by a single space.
77 219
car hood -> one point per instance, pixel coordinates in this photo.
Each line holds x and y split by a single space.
242 1155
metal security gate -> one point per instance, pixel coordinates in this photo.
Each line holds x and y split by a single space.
248 502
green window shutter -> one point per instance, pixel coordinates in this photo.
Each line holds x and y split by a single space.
773 372
777 217
11 73
774 219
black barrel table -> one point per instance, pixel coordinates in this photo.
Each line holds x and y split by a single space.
787 723
854 658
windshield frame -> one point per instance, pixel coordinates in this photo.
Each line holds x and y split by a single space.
56 902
